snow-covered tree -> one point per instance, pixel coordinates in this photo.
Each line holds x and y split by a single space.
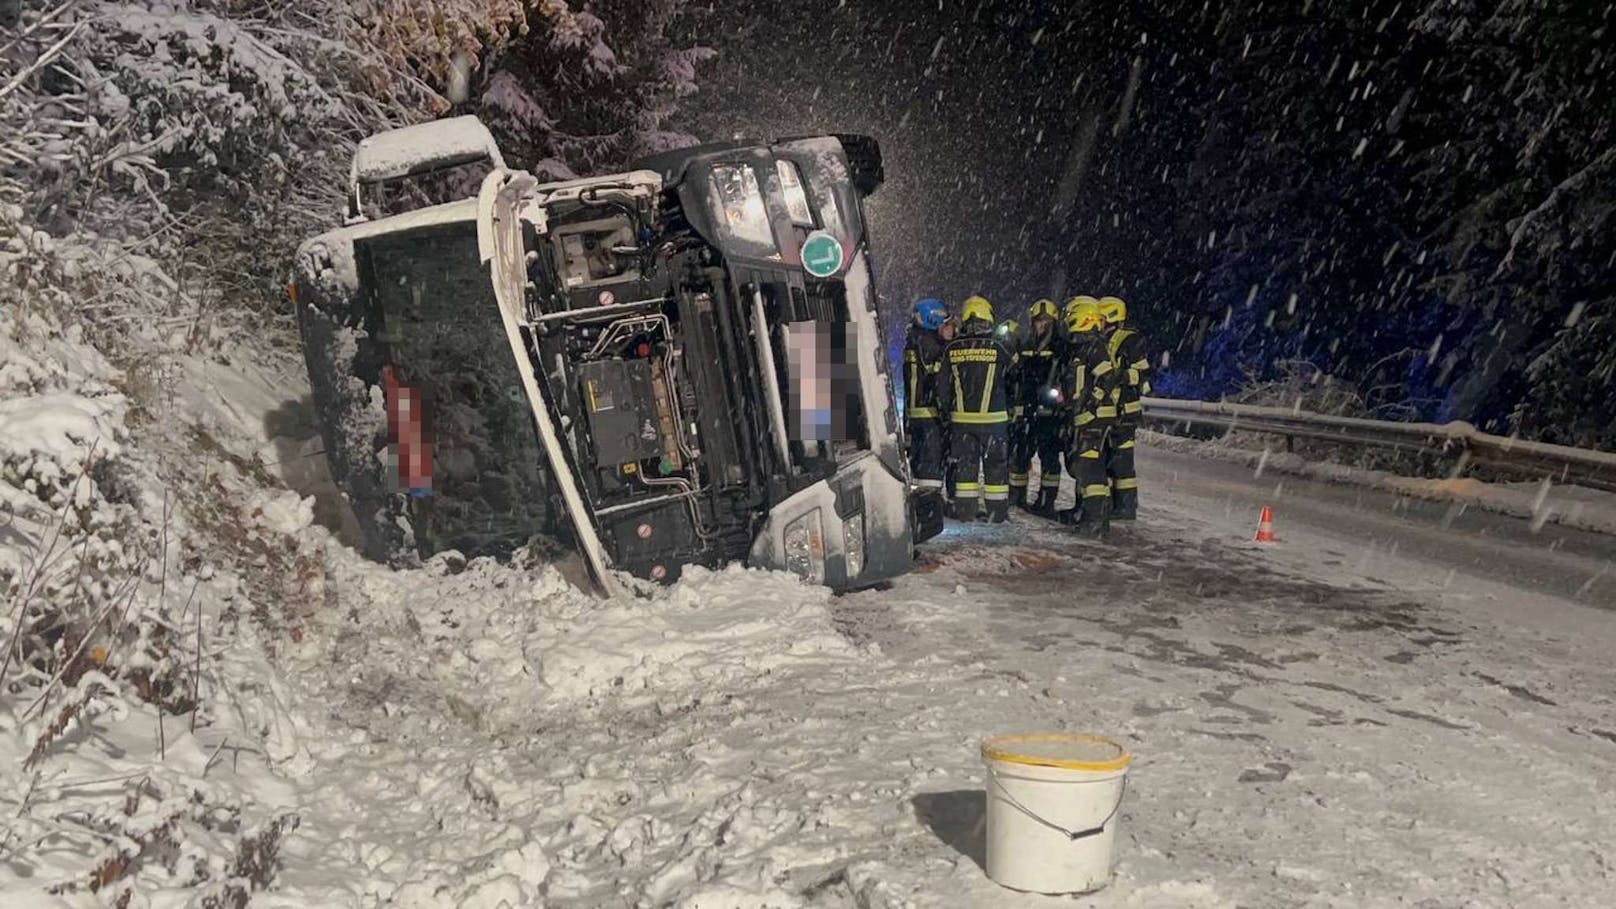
1413 197
591 88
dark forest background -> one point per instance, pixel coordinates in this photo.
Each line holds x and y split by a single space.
1414 199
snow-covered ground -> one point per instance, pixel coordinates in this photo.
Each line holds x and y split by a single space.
1324 723
742 740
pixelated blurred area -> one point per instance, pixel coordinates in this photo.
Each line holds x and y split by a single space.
409 450
823 394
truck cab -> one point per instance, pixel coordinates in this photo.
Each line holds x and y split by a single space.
680 364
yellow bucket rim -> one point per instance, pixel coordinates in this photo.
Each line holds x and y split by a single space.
1002 748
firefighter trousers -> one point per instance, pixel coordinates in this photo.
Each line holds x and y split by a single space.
1016 444
981 452
1119 470
1085 461
926 452
1041 437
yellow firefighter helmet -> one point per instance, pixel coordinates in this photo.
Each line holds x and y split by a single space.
1075 302
1083 315
976 307
1114 310
1043 307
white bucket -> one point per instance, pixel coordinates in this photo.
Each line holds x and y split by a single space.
1053 802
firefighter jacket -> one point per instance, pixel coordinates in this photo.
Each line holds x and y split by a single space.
1091 381
922 364
1038 368
975 383
1132 361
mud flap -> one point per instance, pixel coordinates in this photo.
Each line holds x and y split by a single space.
500 244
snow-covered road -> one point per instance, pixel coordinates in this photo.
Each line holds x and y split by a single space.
1361 523
1327 722
1340 720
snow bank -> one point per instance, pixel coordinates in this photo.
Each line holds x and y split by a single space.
475 733
61 427
57 401
517 643
1543 502
116 727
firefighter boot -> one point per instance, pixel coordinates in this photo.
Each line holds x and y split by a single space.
1046 502
1093 517
999 511
1018 496
1124 504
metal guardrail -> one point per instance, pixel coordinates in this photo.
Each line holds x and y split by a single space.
1563 463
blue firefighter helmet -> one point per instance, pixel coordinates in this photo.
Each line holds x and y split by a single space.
930 313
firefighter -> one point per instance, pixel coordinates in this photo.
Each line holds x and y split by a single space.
1131 358
1038 409
946 334
1009 335
922 361
974 395
1090 386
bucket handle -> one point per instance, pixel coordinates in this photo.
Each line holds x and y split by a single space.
1073 835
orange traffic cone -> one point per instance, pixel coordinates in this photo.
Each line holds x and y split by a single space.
1265 526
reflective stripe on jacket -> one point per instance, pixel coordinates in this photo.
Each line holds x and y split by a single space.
1091 381
922 363
974 386
1040 362
1128 354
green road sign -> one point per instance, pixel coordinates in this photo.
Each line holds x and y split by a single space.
821 254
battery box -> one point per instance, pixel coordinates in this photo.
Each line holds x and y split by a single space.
623 418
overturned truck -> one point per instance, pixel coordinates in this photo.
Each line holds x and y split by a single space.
677 365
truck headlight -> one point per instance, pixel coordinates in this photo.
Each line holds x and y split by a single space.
805 547
853 545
